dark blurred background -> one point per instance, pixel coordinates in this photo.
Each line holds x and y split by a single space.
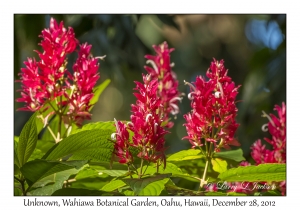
253 47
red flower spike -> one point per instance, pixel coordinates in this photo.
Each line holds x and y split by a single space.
145 122
213 108
167 83
84 78
121 148
47 79
277 129
32 93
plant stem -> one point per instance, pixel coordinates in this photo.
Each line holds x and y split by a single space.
22 182
17 179
202 182
134 168
141 168
59 119
48 127
208 157
129 170
52 107
66 132
146 168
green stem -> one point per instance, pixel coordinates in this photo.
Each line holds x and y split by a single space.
128 166
22 182
208 157
48 127
141 168
202 182
52 107
134 168
202 150
17 179
146 168
64 135
59 119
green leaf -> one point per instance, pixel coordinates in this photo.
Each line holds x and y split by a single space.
154 188
97 92
114 173
48 185
16 159
89 178
16 170
108 125
269 193
27 140
17 191
219 165
54 124
38 169
37 154
236 194
170 168
128 193
137 185
86 173
215 193
78 192
86 145
175 190
113 185
190 154
263 172
236 155
108 165
45 145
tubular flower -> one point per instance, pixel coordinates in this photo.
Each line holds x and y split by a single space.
167 83
84 78
148 133
145 123
56 42
213 108
32 92
277 129
48 79
121 148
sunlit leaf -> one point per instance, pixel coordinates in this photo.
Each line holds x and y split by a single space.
86 145
27 140
219 165
190 154
108 125
138 185
263 172
113 185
